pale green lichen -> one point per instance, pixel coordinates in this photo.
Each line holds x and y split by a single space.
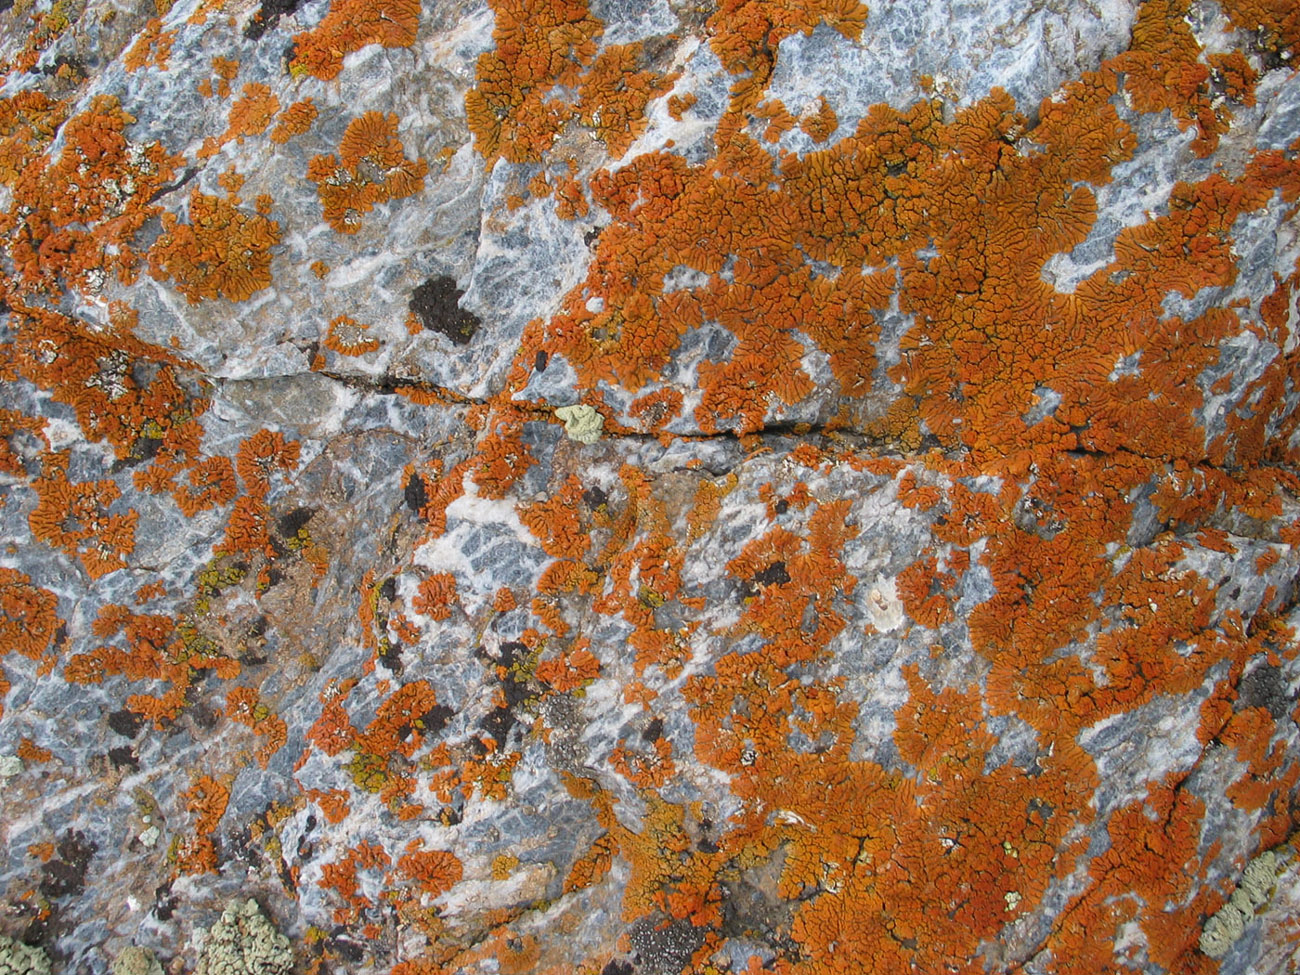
17 958
581 422
1222 930
135 960
10 765
244 942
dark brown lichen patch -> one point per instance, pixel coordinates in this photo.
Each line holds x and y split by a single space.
436 306
268 15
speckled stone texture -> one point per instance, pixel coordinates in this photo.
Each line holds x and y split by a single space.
539 486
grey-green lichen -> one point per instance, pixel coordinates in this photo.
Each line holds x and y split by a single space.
17 958
244 942
135 960
582 423
1222 930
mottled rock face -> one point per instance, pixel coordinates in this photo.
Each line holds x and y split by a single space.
654 487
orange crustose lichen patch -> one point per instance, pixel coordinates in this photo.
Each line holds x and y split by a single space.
222 252
539 46
371 169
349 26
74 218
294 120
347 337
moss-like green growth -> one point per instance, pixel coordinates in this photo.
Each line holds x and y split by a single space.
581 422
1222 930
17 958
244 942
135 960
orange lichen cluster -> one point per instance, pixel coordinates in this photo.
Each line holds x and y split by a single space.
745 34
539 45
371 169
250 114
73 219
662 207
244 706
222 252
436 596
77 518
294 120
613 93
90 370
156 650
346 336
28 123
29 622
1162 70
1276 21
349 26
152 46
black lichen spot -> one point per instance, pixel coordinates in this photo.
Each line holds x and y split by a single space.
124 757
436 718
617 967
782 506
348 950
267 16
498 723
126 723
388 589
295 521
1264 687
594 497
774 575
436 304
540 360
164 902
65 875
653 731
415 495
664 950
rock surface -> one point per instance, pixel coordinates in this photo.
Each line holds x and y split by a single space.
650 487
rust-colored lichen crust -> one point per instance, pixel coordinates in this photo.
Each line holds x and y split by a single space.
879 556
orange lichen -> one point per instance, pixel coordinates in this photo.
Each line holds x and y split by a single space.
222 252
613 93
152 45
294 120
1163 70
436 596
77 518
211 485
435 871
1276 21
244 706
570 671
29 622
371 169
347 337
262 455
29 751
350 25
251 113
74 218
208 797
821 124
540 45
